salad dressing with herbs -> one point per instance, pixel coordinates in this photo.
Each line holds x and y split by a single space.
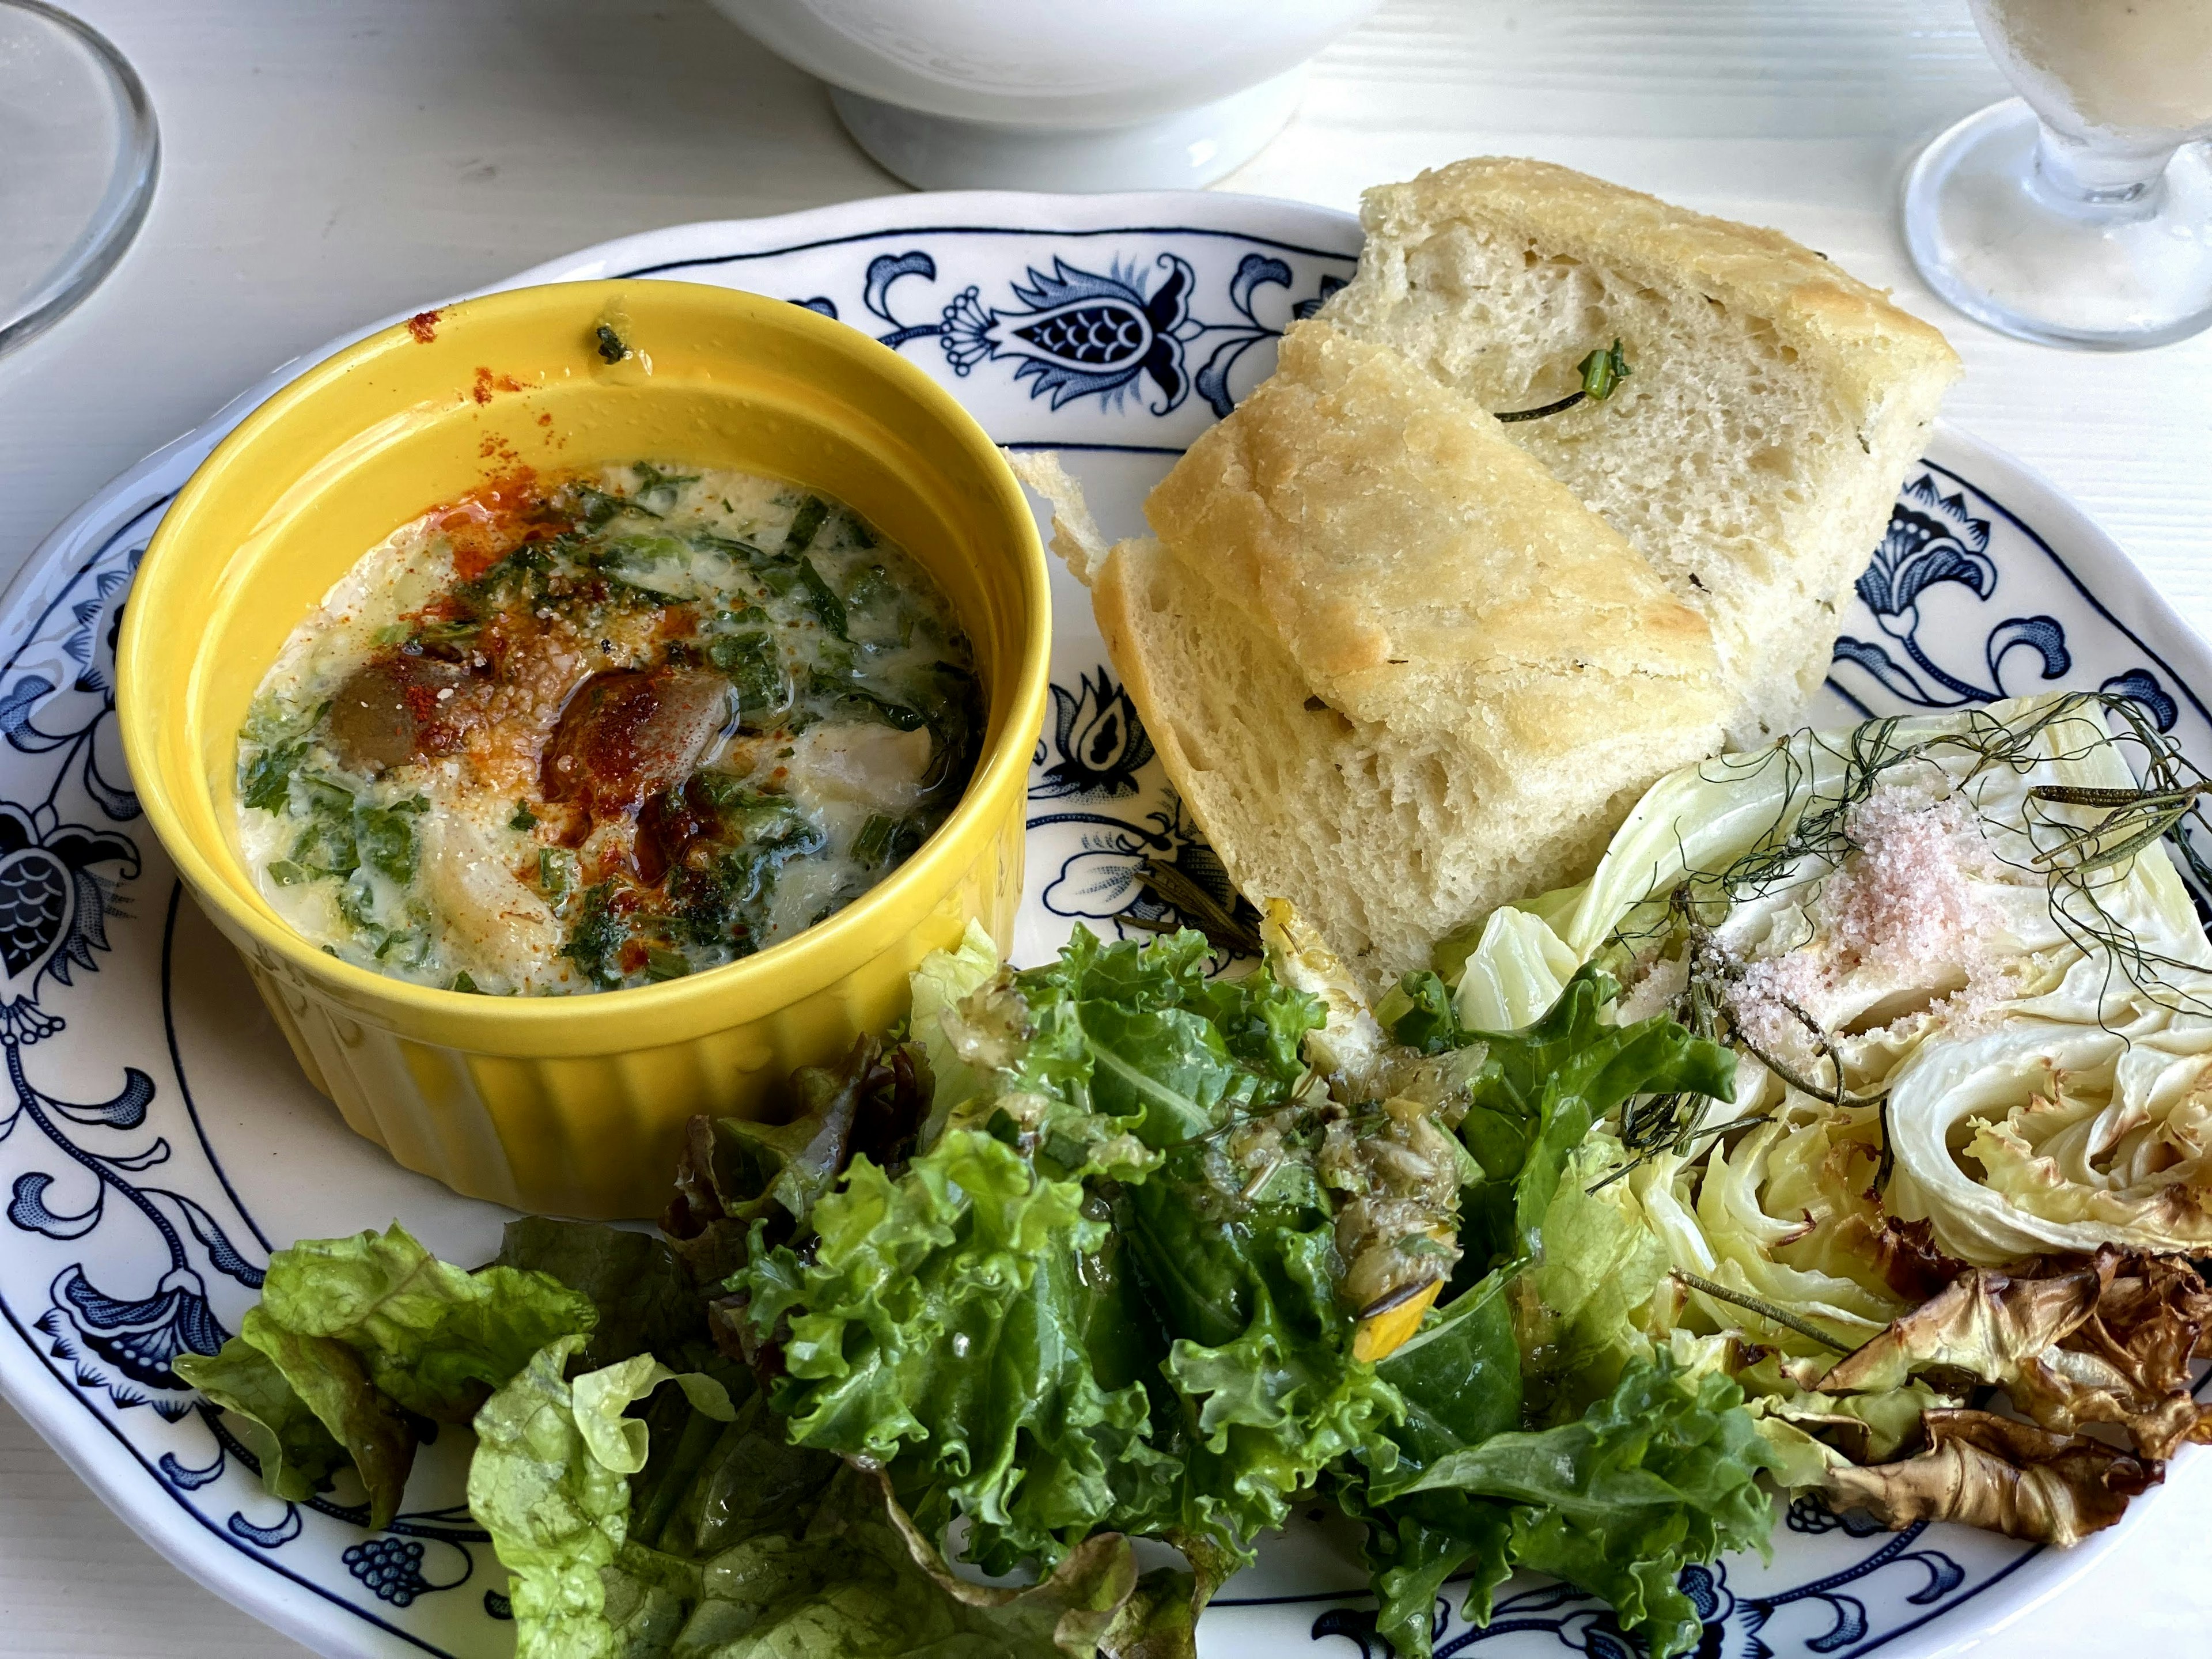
599 731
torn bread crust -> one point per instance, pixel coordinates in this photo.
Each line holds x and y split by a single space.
1774 407
1422 572
1075 534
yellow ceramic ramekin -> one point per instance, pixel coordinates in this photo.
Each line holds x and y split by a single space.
574 1105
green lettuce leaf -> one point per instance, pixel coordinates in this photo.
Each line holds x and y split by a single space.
735 1172
938 1327
436 1339
1548 1251
1460 1378
940 984
621 1543
298 1452
1661 1474
1114 1051
644 1300
1603 1261
548 1482
1259 1358
973 1322
353 1334
1541 1090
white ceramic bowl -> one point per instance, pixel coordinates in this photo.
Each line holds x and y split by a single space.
1055 95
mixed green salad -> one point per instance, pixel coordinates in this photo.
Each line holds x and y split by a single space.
1653 1201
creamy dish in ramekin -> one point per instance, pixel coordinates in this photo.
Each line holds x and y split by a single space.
585 732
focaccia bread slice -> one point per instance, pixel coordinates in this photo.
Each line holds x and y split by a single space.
1385 841
1774 406
1424 573
1397 673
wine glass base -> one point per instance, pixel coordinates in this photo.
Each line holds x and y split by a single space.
2009 253
78 156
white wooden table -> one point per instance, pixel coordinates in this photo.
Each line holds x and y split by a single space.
325 164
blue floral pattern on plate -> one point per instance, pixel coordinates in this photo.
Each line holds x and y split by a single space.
138 1217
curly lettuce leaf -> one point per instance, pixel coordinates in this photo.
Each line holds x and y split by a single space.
437 1339
1541 1090
938 1327
971 1322
1261 1360
1660 1475
548 1482
695 1529
1460 1378
1112 1052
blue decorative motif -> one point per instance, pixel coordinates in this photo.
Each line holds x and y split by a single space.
1077 333
1096 751
392 1567
2143 686
1933 539
60 881
1733 1624
1100 741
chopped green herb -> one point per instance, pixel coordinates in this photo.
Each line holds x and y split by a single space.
806 524
463 983
325 848
595 942
874 584
265 781
757 672
326 798
386 841
597 507
524 818
869 704
557 874
612 347
1602 372
285 874
822 599
666 964
885 841
405 947
355 902
652 481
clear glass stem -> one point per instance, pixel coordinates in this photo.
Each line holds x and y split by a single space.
2087 180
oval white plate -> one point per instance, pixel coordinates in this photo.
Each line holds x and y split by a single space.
156 1141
